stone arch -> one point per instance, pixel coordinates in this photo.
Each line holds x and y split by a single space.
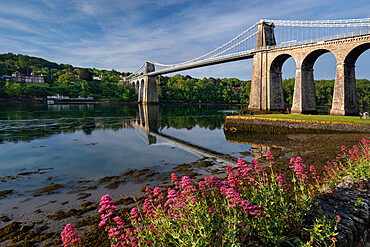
276 82
142 90
345 93
304 99
310 59
353 55
136 87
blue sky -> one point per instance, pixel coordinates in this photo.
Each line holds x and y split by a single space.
121 34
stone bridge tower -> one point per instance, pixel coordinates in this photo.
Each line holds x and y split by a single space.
146 86
264 94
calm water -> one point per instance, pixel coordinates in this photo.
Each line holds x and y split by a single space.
88 142
83 142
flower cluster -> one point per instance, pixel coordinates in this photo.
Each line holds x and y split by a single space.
250 203
70 236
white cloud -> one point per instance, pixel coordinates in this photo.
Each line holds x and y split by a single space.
123 34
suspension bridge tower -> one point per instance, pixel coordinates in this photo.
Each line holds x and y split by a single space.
265 94
146 86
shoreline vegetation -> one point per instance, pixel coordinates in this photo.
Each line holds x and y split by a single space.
64 79
249 207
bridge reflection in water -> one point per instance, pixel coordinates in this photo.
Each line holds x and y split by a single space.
147 120
260 143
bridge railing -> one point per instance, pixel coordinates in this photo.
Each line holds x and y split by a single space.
322 39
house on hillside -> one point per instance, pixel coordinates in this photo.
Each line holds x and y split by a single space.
6 78
28 78
97 78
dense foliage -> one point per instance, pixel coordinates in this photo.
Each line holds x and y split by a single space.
186 88
60 78
68 80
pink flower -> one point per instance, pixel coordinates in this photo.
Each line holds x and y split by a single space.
269 156
298 167
338 218
174 179
211 210
70 236
201 185
281 180
107 208
241 163
134 214
157 193
229 169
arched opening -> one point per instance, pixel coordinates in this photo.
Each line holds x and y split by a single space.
304 100
136 84
141 91
345 93
324 78
281 91
362 76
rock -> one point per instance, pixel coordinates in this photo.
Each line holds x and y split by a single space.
354 226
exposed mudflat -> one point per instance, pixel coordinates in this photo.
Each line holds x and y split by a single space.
37 219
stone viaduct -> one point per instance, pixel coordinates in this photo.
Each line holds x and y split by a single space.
268 59
267 91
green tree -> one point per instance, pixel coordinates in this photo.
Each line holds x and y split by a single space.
67 78
13 88
84 74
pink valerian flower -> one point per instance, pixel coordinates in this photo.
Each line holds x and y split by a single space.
148 208
338 218
355 156
243 169
252 209
148 191
70 236
269 158
298 168
281 180
211 210
114 233
174 179
157 193
174 201
107 208
213 182
201 185
134 242
232 196
241 163
187 189
119 222
233 180
229 169
135 215
255 165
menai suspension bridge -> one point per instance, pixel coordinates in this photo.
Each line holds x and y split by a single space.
270 43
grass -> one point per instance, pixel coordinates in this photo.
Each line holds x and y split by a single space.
329 118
